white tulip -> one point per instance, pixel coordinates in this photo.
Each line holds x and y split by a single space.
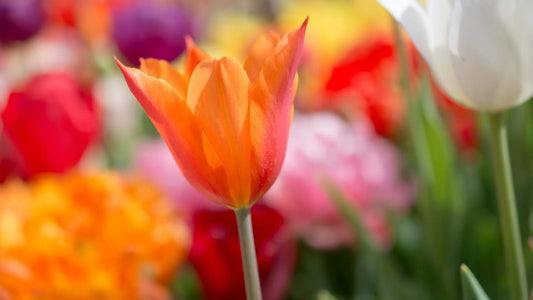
480 51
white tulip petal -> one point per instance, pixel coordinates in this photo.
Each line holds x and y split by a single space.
484 56
443 71
524 31
506 9
412 16
439 13
479 51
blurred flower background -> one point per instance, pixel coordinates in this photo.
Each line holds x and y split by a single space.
383 192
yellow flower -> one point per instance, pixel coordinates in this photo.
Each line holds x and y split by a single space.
336 24
231 31
336 27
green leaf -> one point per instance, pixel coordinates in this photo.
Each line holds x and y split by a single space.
472 290
350 214
186 284
325 295
440 199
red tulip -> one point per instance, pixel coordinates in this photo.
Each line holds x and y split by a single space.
365 82
216 256
49 124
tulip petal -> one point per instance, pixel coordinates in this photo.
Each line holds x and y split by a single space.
272 98
485 56
195 55
155 95
260 50
428 32
161 69
218 98
439 13
524 28
176 125
413 18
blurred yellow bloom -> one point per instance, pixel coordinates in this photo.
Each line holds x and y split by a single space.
336 27
95 236
229 32
336 24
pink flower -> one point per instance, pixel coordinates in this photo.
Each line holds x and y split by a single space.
365 167
154 161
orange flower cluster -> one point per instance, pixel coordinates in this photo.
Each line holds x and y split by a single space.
93 236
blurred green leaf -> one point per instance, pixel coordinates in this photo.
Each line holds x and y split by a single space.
440 199
472 290
393 284
322 270
186 284
349 212
147 127
440 204
325 295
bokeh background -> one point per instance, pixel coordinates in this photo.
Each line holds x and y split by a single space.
386 187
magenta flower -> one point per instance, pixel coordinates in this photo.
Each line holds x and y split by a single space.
151 29
20 19
364 166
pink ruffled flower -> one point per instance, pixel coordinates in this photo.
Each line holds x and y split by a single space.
365 167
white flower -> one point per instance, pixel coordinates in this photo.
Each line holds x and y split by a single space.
480 51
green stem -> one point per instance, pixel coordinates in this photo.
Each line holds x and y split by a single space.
442 255
249 261
404 63
507 207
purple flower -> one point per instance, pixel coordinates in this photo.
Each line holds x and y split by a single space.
151 29
20 19
365 167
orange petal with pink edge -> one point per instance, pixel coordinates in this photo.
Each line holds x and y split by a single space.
161 69
260 50
195 55
156 96
176 124
272 98
218 97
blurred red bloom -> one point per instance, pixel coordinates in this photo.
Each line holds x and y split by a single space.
6 165
48 124
216 255
60 11
365 81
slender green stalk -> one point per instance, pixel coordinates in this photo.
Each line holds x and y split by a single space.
514 255
404 64
440 197
249 261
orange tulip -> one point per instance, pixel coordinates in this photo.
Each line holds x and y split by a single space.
225 123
